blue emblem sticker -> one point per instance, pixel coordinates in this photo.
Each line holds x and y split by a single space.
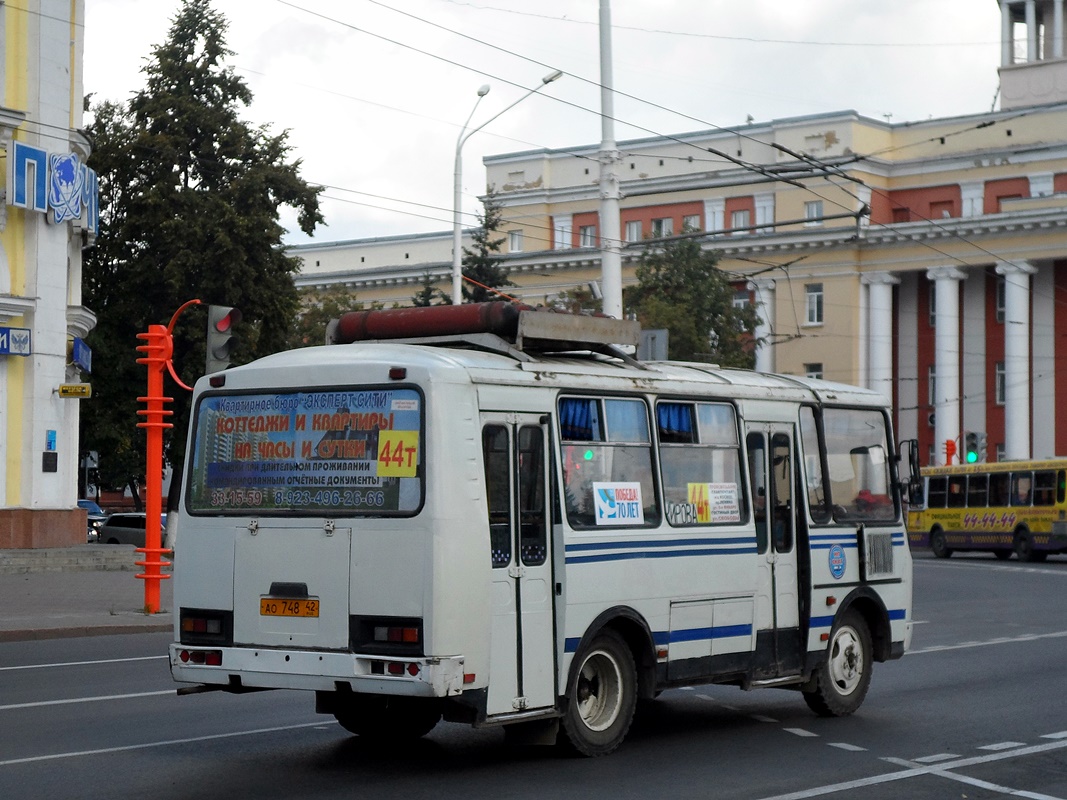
837 561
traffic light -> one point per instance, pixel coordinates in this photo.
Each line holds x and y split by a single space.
220 339
983 446
970 447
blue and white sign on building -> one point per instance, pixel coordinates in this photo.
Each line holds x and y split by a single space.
82 355
14 341
58 183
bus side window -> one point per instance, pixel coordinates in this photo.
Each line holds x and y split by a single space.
998 489
757 464
977 491
1044 488
1021 484
498 492
936 492
957 496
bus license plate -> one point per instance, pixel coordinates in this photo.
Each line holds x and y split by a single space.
282 607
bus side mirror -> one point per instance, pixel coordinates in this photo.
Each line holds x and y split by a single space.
912 483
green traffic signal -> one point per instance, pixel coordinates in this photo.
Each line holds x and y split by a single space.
971 456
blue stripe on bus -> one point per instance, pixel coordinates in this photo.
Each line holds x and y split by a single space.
570 645
828 622
661 554
618 545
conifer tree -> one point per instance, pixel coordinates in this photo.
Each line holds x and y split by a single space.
189 201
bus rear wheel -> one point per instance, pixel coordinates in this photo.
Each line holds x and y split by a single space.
601 696
1002 554
388 718
840 684
938 544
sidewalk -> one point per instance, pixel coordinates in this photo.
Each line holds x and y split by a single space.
88 590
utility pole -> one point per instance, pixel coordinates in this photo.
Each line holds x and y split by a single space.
610 239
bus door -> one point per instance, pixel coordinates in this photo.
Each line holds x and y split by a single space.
522 658
773 464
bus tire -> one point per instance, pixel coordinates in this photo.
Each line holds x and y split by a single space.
601 696
1002 554
1024 547
938 545
840 684
388 718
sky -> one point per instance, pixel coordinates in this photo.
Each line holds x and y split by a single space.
375 93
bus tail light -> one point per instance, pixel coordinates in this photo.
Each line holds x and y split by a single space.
207 658
387 636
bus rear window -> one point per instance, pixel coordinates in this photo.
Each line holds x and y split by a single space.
333 451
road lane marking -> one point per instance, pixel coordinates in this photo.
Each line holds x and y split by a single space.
852 748
989 566
801 732
1059 735
912 771
936 758
1026 637
1001 746
85 663
761 718
41 703
165 743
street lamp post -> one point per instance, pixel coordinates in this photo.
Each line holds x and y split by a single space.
457 182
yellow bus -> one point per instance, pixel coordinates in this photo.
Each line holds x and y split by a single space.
1010 507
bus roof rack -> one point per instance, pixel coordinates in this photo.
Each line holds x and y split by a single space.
515 329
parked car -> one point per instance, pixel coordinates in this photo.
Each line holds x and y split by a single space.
126 528
95 517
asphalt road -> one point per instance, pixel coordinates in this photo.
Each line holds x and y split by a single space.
976 710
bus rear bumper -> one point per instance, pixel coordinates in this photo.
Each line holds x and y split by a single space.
242 668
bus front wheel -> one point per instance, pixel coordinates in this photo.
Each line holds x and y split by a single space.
601 696
1024 547
840 684
938 544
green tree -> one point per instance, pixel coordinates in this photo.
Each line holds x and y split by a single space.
429 292
680 288
481 262
317 308
578 300
189 201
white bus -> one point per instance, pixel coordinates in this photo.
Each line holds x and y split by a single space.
509 522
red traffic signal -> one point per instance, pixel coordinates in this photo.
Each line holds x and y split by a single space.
220 338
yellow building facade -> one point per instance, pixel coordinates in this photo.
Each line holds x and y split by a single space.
49 213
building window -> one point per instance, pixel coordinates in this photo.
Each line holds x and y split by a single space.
514 241
690 223
813 371
662 227
813 213
741 299
633 230
941 210
999 382
587 236
931 383
1000 452
813 298
1001 295
740 221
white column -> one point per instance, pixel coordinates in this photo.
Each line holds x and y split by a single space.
765 302
1016 358
1007 44
1031 31
946 356
1057 29
880 331
715 215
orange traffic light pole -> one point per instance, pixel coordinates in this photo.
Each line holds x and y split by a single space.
158 351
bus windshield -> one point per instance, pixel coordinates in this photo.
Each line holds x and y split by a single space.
351 451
